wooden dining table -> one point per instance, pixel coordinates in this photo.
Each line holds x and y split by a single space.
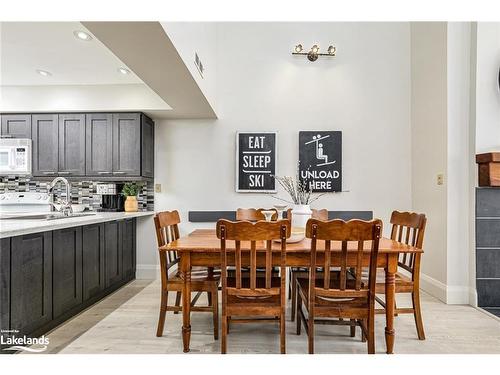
202 248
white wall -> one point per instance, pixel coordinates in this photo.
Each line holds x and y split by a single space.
487 92
429 146
364 92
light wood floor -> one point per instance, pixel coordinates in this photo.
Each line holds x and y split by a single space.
125 322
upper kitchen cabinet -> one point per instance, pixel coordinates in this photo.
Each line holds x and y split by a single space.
148 146
72 145
99 144
45 135
126 144
15 126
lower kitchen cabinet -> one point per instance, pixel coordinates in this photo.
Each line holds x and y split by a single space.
127 238
31 282
93 260
67 271
112 253
4 283
47 277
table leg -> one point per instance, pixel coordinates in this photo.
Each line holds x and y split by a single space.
390 295
185 264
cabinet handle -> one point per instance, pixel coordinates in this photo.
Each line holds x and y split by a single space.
65 173
6 136
103 172
119 172
48 173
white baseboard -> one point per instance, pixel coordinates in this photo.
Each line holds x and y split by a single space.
147 272
433 287
457 295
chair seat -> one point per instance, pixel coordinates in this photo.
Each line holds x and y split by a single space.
402 281
198 274
356 308
243 305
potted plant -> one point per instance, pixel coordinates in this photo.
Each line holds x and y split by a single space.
301 197
130 191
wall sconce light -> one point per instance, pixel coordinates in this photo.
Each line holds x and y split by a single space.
314 53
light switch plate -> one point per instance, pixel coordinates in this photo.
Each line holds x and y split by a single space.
157 188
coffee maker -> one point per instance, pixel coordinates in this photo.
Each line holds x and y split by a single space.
112 199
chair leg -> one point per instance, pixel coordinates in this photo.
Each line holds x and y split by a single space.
177 301
371 333
223 343
310 333
209 298
298 308
215 306
395 307
282 333
290 283
163 312
353 327
363 335
293 282
417 313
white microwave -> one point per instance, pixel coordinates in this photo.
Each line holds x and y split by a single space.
15 157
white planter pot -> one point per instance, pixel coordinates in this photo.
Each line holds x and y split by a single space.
300 214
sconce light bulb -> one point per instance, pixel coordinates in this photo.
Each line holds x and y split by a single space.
298 48
315 49
331 50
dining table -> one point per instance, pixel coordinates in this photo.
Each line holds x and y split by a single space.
202 248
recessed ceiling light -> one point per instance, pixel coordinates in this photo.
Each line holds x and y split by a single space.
82 35
43 73
124 71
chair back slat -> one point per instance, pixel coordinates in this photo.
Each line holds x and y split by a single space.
167 230
254 234
254 214
414 226
357 232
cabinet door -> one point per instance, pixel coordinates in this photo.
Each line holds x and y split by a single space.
127 237
148 147
93 260
31 281
45 145
72 145
126 144
67 261
112 253
16 126
4 285
99 144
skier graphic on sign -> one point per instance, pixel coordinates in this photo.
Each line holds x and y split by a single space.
320 153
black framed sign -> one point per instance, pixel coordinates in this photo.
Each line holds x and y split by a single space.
256 162
320 160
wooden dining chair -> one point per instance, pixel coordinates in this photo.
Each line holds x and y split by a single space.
202 279
254 214
409 228
296 272
252 299
339 295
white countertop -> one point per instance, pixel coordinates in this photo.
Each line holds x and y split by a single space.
17 227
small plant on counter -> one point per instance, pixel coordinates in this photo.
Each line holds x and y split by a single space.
130 190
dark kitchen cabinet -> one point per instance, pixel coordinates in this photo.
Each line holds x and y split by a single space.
67 271
99 144
15 126
45 135
4 284
148 146
127 238
93 260
31 281
72 145
126 144
113 266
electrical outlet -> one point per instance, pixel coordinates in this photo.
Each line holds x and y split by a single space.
440 179
157 188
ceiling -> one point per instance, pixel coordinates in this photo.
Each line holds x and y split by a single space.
52 46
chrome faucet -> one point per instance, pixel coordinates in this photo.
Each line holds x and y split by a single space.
65 205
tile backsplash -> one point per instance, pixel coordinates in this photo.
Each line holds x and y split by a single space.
82 192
